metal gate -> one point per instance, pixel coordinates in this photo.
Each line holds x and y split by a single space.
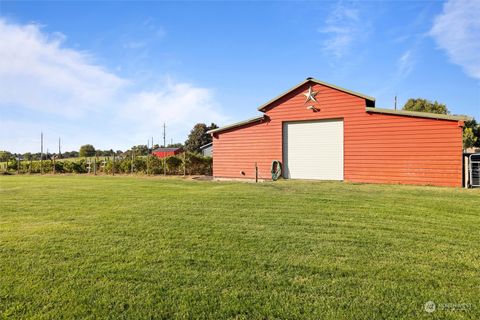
474 169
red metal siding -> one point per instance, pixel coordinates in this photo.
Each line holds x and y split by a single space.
164 154
378 148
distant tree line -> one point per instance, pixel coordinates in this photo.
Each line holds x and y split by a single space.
188 163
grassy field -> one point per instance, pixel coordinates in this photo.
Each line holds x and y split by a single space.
129 247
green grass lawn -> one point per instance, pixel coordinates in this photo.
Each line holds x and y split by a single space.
130 247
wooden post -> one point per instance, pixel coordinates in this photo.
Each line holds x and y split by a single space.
113 165
41 153
147 165
165 166
256 173
466 170
30 167
95 166
18 165
133 158
53 165
184 163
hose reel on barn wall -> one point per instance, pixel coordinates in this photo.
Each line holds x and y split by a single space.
276 170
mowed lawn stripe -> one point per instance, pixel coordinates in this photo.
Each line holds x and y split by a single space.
131 247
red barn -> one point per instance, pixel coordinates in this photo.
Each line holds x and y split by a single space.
321 131
166 152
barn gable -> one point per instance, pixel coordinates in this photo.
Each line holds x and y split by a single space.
324 87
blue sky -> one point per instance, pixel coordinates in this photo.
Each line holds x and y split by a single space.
110 73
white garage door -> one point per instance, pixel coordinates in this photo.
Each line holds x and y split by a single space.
313 150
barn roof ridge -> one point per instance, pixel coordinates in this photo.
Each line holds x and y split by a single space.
310 79
206 145
237 124
159 149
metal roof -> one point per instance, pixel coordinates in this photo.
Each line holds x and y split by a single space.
206 145
237 124
361 95
367 109
418 114
166 149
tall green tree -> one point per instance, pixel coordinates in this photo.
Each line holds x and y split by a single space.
140 150
424 105
198 137
87 150
175 145
471 134
5 156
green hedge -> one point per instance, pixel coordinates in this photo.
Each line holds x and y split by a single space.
190 163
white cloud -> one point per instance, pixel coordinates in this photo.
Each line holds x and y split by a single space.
179 105
405 64
36 72
343 28
46 86
457 31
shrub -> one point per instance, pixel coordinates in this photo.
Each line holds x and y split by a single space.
174 165
75 166
125 165
198 165
140 165
195 165
155 165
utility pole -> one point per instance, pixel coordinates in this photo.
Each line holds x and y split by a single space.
41 152
395 102
164 142
59 148
148 154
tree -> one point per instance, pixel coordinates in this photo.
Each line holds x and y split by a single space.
424 105
5 156
469 138
198 137
70 154
140 150
87 150
175 145
471 134
211 127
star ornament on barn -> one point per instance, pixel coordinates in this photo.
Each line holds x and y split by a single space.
310 95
